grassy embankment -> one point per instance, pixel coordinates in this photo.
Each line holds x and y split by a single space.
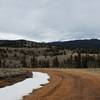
11 76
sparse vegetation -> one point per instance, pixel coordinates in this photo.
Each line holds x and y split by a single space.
11 76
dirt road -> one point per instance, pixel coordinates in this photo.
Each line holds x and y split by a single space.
68 85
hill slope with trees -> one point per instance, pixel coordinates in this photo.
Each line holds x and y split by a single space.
71 54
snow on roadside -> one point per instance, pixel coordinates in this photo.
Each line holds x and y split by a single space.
20 89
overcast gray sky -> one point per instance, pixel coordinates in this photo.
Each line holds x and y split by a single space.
49 20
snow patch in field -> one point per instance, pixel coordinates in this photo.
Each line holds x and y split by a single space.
20 89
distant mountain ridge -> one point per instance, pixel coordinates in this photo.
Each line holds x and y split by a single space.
18 43
86 44
91 44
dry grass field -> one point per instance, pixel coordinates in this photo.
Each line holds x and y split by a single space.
12 76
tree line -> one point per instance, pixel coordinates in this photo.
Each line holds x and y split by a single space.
51 58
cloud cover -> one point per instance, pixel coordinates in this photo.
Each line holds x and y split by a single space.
49 20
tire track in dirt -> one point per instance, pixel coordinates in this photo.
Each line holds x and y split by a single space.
68 86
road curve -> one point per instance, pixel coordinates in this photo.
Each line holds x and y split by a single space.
69 85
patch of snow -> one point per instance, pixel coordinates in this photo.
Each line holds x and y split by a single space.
20 89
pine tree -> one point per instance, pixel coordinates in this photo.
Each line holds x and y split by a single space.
55 62
23 62
33 62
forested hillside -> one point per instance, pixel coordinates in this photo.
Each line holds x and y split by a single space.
21 53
